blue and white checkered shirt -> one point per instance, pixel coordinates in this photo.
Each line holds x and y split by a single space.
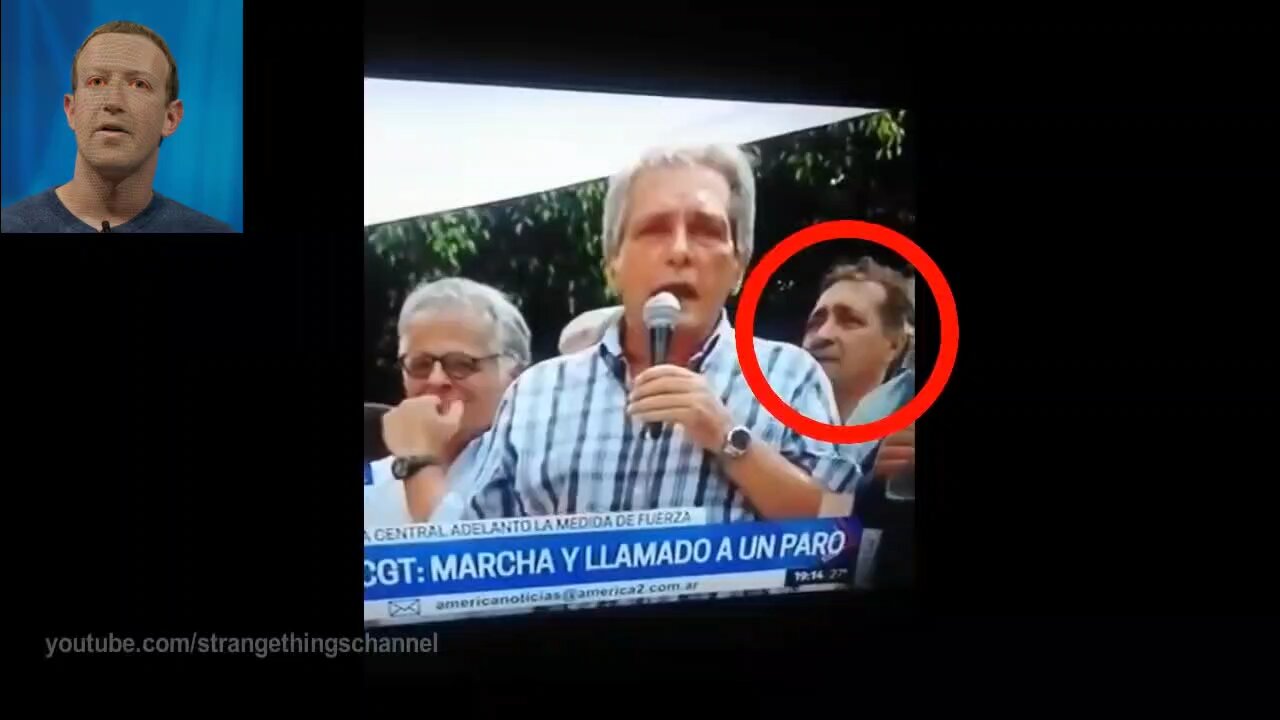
562 442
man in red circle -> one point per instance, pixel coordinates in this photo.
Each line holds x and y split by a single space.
860 330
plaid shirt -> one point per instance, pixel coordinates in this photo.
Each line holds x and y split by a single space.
562 442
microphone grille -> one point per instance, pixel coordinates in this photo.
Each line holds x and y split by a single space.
661 309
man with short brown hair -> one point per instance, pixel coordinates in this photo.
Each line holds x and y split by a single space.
860 328
123 103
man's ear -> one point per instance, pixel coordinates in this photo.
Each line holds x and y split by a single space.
68 108
611 275
742 273
899 342
172 118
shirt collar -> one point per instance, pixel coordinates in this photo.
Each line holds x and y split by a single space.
132 223
885 399
611 344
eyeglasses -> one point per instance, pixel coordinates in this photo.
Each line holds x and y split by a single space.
458 366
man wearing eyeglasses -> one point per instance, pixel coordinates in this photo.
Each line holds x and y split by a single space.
461 345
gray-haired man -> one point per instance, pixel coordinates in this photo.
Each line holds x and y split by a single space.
569 435
461 345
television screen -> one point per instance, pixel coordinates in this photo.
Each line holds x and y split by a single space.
557 414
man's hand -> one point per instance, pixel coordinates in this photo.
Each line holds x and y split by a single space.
897 454
672 394
419 426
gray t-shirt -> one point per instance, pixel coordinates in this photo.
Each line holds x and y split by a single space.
45 213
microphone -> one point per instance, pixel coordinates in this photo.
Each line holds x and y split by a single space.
660 313
106 226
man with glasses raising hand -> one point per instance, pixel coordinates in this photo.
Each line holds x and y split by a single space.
461 345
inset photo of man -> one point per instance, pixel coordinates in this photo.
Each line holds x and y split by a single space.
126 117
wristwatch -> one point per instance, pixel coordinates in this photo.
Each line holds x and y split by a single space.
737 442
404 468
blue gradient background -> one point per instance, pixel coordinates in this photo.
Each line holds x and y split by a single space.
200 166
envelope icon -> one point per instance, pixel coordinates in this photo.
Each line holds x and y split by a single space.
400 608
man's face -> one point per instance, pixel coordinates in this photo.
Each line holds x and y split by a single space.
119 111
439 334
846 335
676 237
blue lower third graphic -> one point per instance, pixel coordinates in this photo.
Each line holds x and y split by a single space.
471 565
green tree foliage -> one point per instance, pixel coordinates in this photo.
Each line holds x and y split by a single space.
544 249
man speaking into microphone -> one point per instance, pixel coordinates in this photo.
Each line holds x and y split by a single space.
618 429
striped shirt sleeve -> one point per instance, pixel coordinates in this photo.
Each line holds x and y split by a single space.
833 466
492 486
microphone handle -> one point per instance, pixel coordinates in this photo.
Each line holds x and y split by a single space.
659 342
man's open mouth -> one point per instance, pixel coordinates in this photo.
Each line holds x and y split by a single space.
682 291
112 128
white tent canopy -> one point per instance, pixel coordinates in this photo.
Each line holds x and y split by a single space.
430 147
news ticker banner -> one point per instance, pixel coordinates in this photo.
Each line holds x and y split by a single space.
501 565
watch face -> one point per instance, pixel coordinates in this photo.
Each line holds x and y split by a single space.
740 438
399 467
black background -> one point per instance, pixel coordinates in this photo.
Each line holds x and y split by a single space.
1098 196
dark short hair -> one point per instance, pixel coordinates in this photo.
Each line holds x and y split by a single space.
897 310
